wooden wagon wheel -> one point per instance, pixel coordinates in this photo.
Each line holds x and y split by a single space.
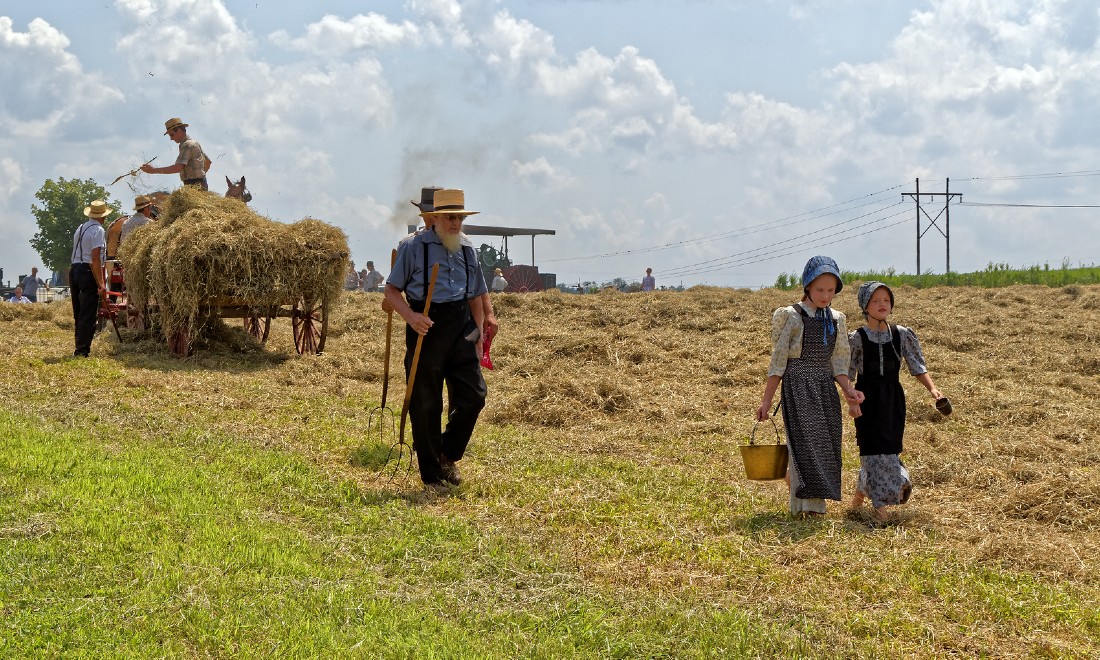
253 326
310 320
179 342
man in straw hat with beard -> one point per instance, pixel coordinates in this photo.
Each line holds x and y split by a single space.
192 164
86 274
452 336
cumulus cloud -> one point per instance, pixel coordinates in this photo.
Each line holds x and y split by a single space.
335 36
541 174
191 40
11 179
45 86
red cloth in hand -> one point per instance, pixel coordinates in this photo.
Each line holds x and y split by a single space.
487 343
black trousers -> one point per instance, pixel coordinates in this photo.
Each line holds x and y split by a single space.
84 293
447 358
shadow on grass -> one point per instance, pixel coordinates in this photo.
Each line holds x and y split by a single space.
782 525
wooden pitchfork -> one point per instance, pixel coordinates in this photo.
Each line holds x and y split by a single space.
401 448
382 422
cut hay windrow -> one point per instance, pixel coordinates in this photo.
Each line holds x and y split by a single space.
206 250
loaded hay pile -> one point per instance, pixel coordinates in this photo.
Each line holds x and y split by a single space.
206 250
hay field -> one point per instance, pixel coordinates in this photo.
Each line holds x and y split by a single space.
607 460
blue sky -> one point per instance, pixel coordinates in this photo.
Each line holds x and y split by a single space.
716 142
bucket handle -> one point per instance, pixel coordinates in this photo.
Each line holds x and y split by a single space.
752 438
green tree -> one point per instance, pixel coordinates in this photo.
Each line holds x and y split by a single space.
62 211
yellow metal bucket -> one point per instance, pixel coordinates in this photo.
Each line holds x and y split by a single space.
764 462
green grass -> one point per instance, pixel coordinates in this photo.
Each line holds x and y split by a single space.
993 276
192 543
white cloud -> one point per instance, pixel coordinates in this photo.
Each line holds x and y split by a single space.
541 174
189 40
45 86
335 36
11 179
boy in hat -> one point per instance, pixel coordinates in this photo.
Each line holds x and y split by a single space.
192 164
451 336
86 274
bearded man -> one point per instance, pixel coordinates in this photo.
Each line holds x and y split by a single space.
450 352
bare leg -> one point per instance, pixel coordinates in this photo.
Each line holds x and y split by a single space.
857 498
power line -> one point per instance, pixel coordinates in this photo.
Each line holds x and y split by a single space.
748 257
719 261
1050 175
743 231
1033 206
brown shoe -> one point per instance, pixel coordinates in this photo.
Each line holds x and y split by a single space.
450 471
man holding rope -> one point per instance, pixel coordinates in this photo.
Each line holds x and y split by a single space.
450 351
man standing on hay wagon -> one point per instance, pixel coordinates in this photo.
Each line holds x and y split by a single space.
192 164
451 336
86 274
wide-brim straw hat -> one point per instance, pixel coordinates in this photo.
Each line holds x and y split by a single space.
172 123
141 201
427 198
449 202
97 209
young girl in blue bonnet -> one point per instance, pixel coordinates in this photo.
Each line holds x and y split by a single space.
809 352
878 349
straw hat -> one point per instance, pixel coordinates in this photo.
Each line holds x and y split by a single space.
97 210
427 196
141 201
498 271
449 202
172 123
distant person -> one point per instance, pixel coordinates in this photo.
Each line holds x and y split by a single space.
18 297
499 283
809 351
649 283
351 279
192 164
371 278
86 274
31 283
878 349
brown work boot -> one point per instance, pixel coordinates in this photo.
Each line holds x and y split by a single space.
450 470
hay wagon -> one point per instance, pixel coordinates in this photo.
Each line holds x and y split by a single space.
308 317
209 257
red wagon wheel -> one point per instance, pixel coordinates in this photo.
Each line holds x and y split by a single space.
310 320
179 342
257 328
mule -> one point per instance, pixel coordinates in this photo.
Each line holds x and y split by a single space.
237 190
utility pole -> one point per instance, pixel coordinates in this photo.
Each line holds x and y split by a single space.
932 222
